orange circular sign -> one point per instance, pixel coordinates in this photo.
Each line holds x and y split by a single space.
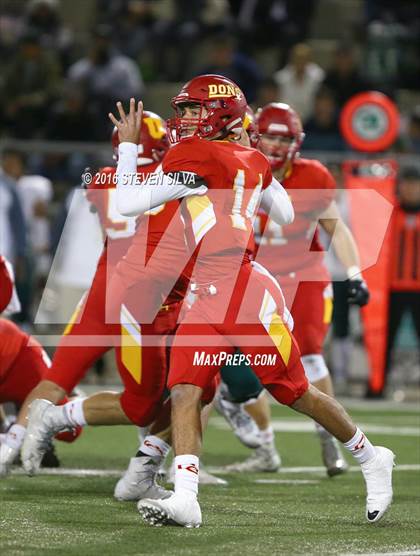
370 122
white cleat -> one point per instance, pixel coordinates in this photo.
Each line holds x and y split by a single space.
265 459
139 480
378 477
7 457
242 424
39 433
204 477
179 509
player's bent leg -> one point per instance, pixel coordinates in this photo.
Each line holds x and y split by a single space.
46 390
317 373
182 508
376 461
139 480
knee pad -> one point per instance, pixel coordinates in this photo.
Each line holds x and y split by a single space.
315 367
242 382
253 400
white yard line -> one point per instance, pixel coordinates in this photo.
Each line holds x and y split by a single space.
298 425
286 482
118 472
414 552
321 469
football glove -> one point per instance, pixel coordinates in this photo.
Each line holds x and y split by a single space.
357 292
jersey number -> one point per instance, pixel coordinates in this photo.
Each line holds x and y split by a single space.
116 225
239 214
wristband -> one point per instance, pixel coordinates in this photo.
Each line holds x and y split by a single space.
354 273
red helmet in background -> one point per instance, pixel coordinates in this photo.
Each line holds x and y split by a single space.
225 106
278 119
153 140
250 126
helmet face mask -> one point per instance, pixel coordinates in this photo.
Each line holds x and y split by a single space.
276 148
250 126
153 141
281 133
209 107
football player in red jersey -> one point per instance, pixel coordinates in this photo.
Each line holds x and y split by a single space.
223 182
143 390
142 365
9 301
295 256
23 363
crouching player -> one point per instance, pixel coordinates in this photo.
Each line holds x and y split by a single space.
23 364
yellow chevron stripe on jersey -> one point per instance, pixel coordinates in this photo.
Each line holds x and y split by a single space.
202 214
131 350
328 309
75 315
277 330
281 337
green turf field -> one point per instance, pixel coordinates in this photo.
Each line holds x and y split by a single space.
299 512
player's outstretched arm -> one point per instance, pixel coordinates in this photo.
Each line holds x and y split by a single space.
347 252
276 203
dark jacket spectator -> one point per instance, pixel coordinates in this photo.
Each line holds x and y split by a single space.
71 119
322 130
105 77
343 78
30 83
225 60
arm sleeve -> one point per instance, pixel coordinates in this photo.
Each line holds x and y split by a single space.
276 203
134 198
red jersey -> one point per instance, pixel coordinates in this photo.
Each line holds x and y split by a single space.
12 340
405 262
287 249
235 176
6 285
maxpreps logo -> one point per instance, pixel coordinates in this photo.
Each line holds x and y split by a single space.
219 90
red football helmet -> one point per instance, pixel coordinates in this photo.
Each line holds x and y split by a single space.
250 126
153 140
278 119
225 106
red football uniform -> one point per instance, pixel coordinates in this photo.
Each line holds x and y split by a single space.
237 305
142 367
295 256
6 285
23 364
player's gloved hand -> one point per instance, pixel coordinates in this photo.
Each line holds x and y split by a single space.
357 290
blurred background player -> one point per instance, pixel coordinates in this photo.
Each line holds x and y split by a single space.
295 256
89 323
142 367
